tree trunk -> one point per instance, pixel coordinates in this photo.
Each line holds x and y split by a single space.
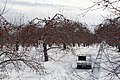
78 44
64 46
45 52
118 48
73 44
16 46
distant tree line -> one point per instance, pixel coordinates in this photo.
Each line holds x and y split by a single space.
57 30
109 31
60 31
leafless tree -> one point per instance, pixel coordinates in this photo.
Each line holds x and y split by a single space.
9 55
110 5
108 31
3 7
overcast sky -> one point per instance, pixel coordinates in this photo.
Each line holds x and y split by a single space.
44 8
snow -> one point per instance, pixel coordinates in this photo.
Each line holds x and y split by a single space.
62 65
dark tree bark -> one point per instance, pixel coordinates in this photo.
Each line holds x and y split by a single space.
118 48
73 45
64 46
17 46
45 52
78 44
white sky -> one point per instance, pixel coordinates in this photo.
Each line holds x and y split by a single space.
44 8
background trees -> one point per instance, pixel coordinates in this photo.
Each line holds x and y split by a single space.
109 31
55 31
60 31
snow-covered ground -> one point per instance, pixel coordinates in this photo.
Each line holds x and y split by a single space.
62 66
